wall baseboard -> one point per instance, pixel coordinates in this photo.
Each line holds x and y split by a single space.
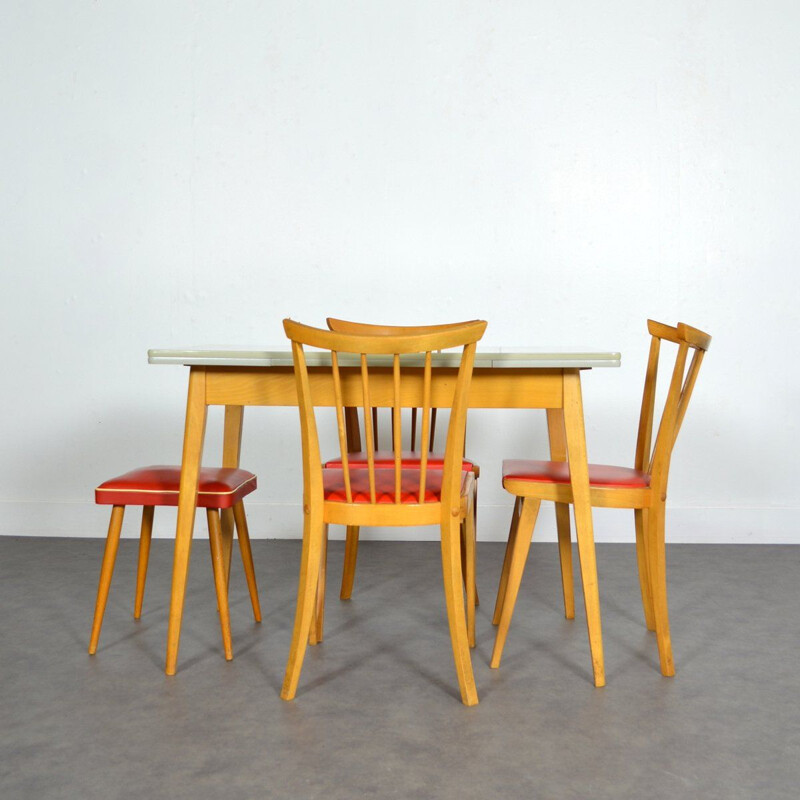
267 521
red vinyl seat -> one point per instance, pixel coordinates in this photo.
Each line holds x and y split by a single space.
558 472
219 489
334 486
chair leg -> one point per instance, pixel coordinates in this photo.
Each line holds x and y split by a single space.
519 555
220 583
313 532
475 537
318 623
464 548
454 600
350 556
556 432
226 528
501 589
462 535
469 574
144 556
658 577
643 559
243 535
106 573
565 555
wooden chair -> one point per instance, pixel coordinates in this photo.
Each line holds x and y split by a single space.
402 496
357 457
218 489
643 489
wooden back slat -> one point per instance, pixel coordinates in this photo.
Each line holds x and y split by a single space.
424 342
644 438
654 456
375 427
340 424
368 426
665 439
456 434
425 440
312 478
688 388
397 432
346 326
413 439
353 429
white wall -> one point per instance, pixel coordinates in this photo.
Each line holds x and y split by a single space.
191 172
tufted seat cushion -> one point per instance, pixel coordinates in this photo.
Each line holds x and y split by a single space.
218 487
333 483
558 472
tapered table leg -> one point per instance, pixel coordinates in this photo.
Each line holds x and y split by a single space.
194 434
579 479
558 452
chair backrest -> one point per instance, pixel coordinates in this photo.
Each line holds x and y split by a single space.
410 387
351 414
654 457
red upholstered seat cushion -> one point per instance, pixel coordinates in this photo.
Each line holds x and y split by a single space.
333 483
385 459
218 487
558 472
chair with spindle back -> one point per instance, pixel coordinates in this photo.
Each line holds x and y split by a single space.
402 496
643 489
411 458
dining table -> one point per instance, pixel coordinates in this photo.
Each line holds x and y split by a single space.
503 378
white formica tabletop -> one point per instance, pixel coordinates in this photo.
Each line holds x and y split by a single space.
499 357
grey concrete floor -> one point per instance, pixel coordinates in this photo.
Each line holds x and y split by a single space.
377 713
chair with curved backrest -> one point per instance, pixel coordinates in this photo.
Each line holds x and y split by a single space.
411 457
218 489
395 372
643 489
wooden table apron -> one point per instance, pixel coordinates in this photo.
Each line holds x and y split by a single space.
556 390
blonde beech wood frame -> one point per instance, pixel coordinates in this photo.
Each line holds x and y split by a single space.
449 512
648 503
220 568
427 432
555 387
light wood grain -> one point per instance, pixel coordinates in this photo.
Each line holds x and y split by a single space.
490 388
316 633
558 452
145 536
231 449
220 579
350 557
449 510
193 438
519 553
537 384
512 535
427 434
652 457
243 534
584 532
106 573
